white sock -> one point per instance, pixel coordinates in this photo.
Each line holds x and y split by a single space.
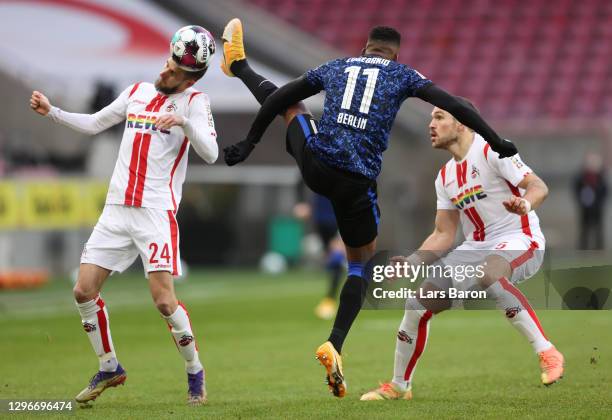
180 327
94 317
411 341
520 314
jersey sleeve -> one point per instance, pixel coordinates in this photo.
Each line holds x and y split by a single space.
318 76
443 202
199 127
412 80
92 124
512 169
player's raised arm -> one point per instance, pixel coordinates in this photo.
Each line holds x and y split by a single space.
90 124
287 95
466 116
199 128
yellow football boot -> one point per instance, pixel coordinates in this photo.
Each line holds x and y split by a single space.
233 47
327 355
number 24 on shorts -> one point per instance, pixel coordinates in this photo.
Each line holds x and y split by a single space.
165 253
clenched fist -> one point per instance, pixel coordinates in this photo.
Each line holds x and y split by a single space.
40 103
517 205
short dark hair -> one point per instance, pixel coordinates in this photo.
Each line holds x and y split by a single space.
385 34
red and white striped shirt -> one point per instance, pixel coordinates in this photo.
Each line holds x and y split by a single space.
477 187
151 166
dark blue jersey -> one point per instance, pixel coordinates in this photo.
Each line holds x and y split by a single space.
362 97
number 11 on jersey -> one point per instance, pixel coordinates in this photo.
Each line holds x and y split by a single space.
351 82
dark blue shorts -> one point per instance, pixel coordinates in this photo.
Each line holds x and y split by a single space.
353 196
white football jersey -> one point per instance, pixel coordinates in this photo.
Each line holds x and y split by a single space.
151 166
477 186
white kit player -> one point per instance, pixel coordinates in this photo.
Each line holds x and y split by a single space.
139 218
493 199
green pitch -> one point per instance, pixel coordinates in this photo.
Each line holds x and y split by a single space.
257 335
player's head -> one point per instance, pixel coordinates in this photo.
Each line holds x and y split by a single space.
173 79
383 41
445 130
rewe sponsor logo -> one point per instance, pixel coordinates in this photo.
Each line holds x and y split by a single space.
468 196
143 122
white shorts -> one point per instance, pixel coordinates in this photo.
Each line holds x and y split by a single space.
525 255
122 233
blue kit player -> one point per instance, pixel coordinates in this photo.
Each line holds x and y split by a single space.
340 156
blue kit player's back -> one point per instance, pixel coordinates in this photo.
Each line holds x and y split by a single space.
363 95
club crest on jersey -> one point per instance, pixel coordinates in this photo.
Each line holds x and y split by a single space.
468 196
402 336
171 107
475 172
89 327
185 340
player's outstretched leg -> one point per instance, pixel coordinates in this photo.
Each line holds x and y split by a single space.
95 321
235 64
522 317
411 341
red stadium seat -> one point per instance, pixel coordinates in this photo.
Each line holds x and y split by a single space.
525 59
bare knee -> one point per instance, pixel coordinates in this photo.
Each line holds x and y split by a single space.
162 291
361 254
165 305
496 268
90 281
433 299
83 294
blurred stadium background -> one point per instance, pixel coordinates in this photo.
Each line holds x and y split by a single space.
540 74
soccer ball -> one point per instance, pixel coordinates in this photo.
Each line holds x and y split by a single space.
192 47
